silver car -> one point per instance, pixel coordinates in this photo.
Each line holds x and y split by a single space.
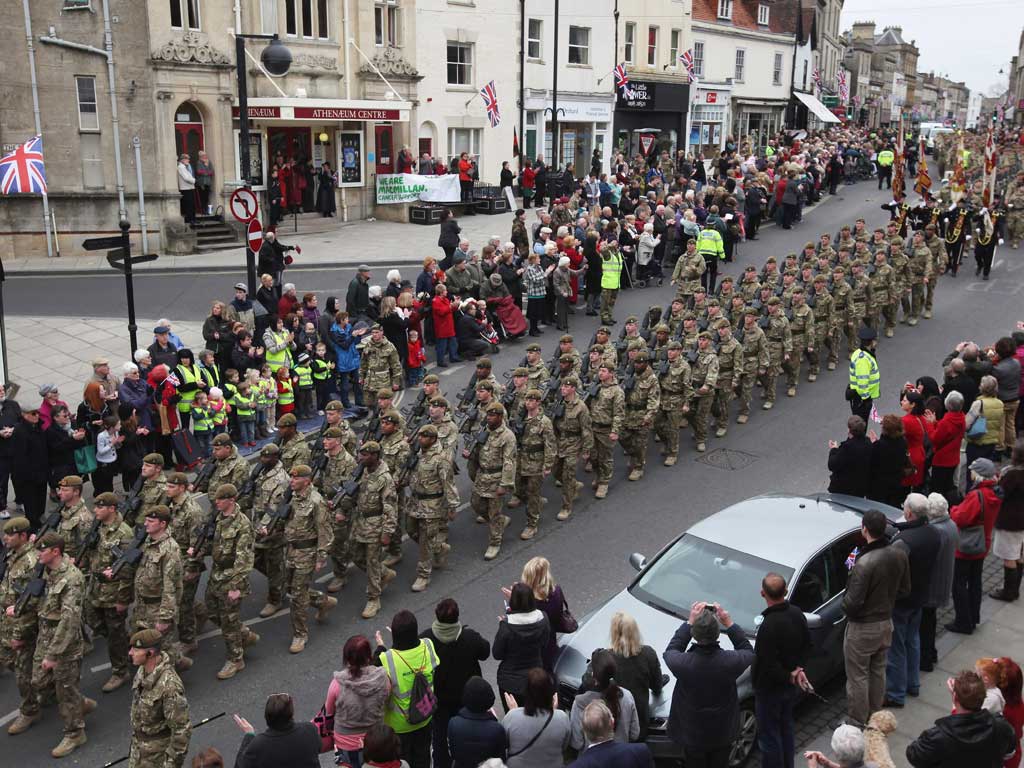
722 559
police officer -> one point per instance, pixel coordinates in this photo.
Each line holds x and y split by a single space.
270 490
434 499
573 435
294 449
611 275
536 456
712 249
186 517
340 466
495 476
676 390
160 720
704 380
607 415
641 400
18 631
375 522
864 386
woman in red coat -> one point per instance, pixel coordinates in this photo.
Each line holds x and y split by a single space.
444 327
570 249
914 431
981 507
946 436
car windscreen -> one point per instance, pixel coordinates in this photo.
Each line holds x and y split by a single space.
695 569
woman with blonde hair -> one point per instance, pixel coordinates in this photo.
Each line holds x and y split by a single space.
551 602
638 669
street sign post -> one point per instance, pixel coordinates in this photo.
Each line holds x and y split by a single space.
255 235
243 204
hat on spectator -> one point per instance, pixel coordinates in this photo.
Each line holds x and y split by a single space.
984 468
161 329
241 287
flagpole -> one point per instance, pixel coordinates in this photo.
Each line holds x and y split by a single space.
35 112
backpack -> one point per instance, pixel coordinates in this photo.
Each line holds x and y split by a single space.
422 699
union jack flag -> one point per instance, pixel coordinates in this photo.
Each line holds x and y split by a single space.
816 78
621 77
844 91
490 97
22 170
687 58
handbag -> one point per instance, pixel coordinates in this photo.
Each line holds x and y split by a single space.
909 469
980 425
929 447
567 623
85 459
325 729
972 538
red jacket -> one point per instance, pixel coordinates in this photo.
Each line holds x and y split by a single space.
288 305
465 170
946 435
913 431
529 178
415 357
444 323
968 513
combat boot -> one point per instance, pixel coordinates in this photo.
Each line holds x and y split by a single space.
670 461
579 487
391 560
336 584
791 392
636 474
69 744
812 377
201 616
701 447
927 314
563 514
22 723
115 682
720 432
249 638
421 584
230 669
184 664
189 648
832 365
528 533
269 610
88 705
325 606
602 491
768 405
480 519
492 552
742 418
299 643
387 577
514 502
912 321
371 609
441 560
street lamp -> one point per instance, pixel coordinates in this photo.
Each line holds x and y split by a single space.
276 60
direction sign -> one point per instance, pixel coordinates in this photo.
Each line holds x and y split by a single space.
102 243
255 235
116 259
243 204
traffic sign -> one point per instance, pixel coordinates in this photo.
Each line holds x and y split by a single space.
255 235
243 204
102 243
116 259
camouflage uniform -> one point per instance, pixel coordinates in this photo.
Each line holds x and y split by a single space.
756 358
642 403
704 377
676 391
395 452
434 497
74 525
573 436
841 323
801 328
376 516
161 726
607 413
780 344
158 590
23 627
938 264
60 640
151 495
338 471
536 455
686 275
538 375
186 517
269 550
883 295
921 270
104 595
730 368
1015 215
234 470
295 451
379 366
232 560
497 469
860 300
902 277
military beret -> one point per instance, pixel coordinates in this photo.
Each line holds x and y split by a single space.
531 394
496 408
723 323
641 357
270 449
431 378
678 300
771 260
153 458
636 344
705 335
533 347
700 289
791 255
439 401
571 381
798 291
661 328
750 268
226 491
820 279
376 327
566 358
521 371
17 525
689 315
177 478
71 481
334 405
839 268
483 362
751 311
301 470
808 245
488 385
145 639
159 512
288 420
774 301
599 348
429 430
370 446
334 432
225 439
392 416
726 279
674 344
50 539
98 361
565 338
632 319
790 273
713 303
605 330
385 393
105 499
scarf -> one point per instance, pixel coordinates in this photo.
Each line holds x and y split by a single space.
446 633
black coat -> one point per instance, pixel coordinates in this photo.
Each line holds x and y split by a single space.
10 416
519 648
474 737
60 448
357 300
978 739
963 384
30 460
298 746
888 457
850 465
449 236
783 642
459 661
395 327
271 258
168 356
922 543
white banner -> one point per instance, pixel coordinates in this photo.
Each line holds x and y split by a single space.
409 188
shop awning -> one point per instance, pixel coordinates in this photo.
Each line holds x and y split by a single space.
325 110
819 110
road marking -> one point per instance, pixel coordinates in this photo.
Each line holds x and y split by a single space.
9 716
998 264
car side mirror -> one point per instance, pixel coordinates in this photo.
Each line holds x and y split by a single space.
638 561
814 621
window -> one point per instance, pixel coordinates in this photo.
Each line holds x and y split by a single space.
291 27
77 5
698 59
762 14
579 46
395 37
268 17
322 26
307 18
652 46
379 25
185 14
725 9
741 60
534 41
460 64
387 23
675 38
88 117
464 140
777 70
805 74
630 42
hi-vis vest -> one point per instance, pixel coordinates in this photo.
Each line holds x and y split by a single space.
277 359
219 415
285 392
321 370
244 404
885 158
611 269
402 667
864 376
202 418
709 244
193 375
305 374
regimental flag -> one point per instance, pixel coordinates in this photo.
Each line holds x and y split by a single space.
923 186
22 171
515 142
989 177
687 58
899 186
490 97
621 76
958 182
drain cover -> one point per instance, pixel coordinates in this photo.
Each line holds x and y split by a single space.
729 459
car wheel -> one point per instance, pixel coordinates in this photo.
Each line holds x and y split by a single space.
747 738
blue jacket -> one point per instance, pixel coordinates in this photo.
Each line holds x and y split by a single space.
474 737
612 754
346 350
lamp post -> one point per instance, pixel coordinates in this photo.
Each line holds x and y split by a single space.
276 60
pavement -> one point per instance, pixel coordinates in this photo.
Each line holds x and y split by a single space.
588 552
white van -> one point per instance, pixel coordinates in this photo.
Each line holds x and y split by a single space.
929 144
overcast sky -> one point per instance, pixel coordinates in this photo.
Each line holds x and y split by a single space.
969 40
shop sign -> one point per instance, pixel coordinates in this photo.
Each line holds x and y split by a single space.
711 97
345 113
409 188
637 95
255 113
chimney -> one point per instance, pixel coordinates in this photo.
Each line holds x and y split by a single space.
864 30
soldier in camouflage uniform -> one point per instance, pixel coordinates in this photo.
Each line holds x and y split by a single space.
231 560
160 720
230 466
395 451
485 372
57 662
375 521
674 402
780 348
158 578
572 427
379 366
447 431
536 456
269 550
938 264
75 517
495 476
514 398
18 632
434 499
307 532
674 318
152 492
730 368
801 328
334 416
642 401
756 360
704 380
107 600
823 303
294 450
607 415
565 347
1015 212
603 337
921 275
840 325
686 275
186 517
340 466
750 286
859 301
537 371
883 293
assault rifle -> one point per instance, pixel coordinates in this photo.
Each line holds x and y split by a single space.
557 409
4 557
410 464
132 554
279 515
372 431
130 505
250 484
205 473
92 538
419 410
36 585
468 396
591 390
474 442
204 533
350 488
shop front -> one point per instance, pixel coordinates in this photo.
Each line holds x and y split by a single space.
710 120
757 119
583 126
650 117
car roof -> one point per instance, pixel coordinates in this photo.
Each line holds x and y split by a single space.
786 529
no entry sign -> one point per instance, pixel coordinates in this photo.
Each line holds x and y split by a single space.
255 236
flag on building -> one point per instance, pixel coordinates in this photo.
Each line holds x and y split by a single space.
621 77
686 57
22 171
842 87
923 186
816 79
490 97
